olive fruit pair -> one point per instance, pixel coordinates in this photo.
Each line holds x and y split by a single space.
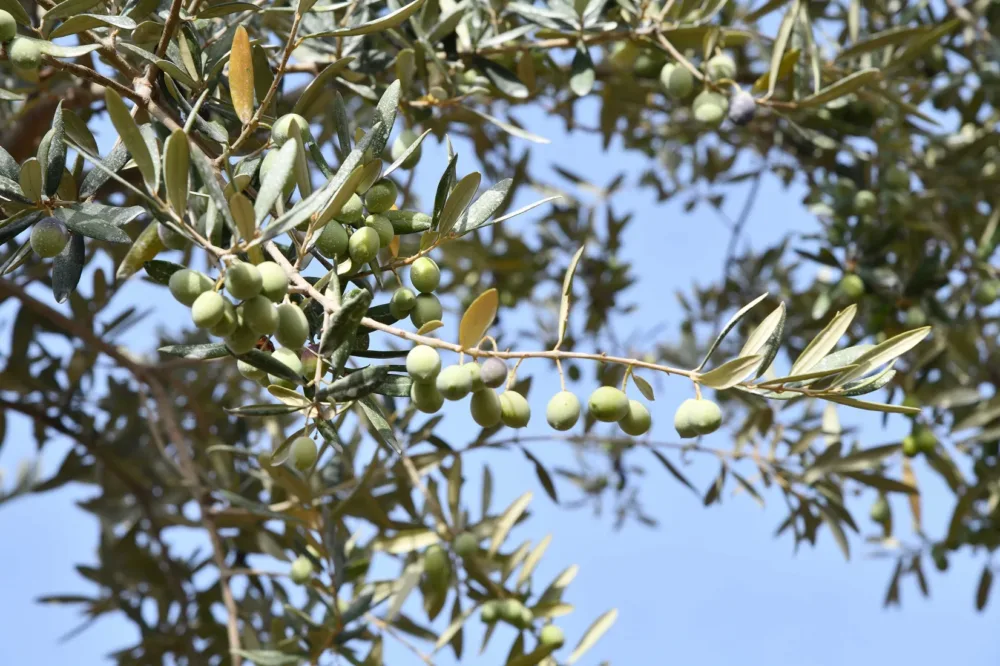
611 405
697 417
921 440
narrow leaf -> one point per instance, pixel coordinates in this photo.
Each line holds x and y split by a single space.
478 318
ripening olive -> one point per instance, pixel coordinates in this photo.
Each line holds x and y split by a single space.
260 315
742 108
363 246
426 308
402 302
454 382
677 80
243 281
423 363
170 238
48 237
563 410
852 286
485 407
514 410
293 327
406 139
242 340
303 453
383 227
301 570
493 373
282 129
880 511
608 404
352 212
25 53
274 281
333 240
426 397
425 275
251 372
208 309
721 67
552 636
381 196
865 202
466 544
709 107
229 323
290 359
637 421
8 27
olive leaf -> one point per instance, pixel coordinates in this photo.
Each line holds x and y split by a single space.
582 76
270 365
202 351
320 85
176 170
390 20
731 372
159 271
827 339
459 199
478 318
241 79
567 294
380 428
735 319
484 207
67 267
882 354
130 134
55 158
844 86
30 179
592 635
273 186
507 520
83 22
356 384
443 190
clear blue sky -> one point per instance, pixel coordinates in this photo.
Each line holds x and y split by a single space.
709 586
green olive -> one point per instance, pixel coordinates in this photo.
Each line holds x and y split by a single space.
25 53
406 139
880 511
301 570
425 275
208 309
48 237
514 410
303 453
333 241
242 340
423 363
260 315
352 212
485 408
363 246
293 327
427 309
637 420
187 285
8 27
466 544
721 67
291 360
426 397
563 410
454 382
677 81
852 286
402 302
283 129
383 227
274 281
381 196
608 404
243 281
552 636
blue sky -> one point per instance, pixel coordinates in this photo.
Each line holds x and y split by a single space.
709 586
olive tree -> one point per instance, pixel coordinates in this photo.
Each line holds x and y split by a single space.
262 175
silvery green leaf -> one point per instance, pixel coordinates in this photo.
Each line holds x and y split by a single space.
581 79
730 373
766 338
55 161
484 207
67 268
459 199
826 340
735 319
882 354
273 186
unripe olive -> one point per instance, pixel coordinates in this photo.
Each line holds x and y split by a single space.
426 397
865 202
987 292
208 309
454 382
485 407
608 404
493 373
852 286
706 417
402 302
423 363
926 439
302 570
897 178
510 611
552 636
563 410
274 281
242 340
170 238
526 618
383 227
436 562
303 453
623 55
514 410
475 375
427 308
721 67
352 211
399 146
48 237
282 129
293 327
260 315
289 358
251 372
229 322
381 196
333 240
243 281
880 511
682 421
490 612
637 420
425 275
742 108
709 107
677 80
25 53
915 317
363 246
910 446
466 544
8 27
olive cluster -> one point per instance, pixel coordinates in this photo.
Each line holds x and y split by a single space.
710 107
432 385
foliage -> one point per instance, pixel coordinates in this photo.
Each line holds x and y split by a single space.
296 203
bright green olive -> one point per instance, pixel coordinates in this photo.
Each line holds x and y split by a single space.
682 421
514 410
293 327
552 636
489 613
243 281
880 511
25 53
427 308
608 404
383 227
333 241
926 439
677 81
208 309
229 323
406 139
425 275
485 408
423 363
303 453
251 372
637 420
402 303
436 562
290 359
563 410
721 67
352 212
363 246
897 178
426 397
475 374
48 237
301 570
242 340
274 281
852 286
706 417
186 285
8 27
710 107
282 129
865 202
454 382
910 446
526 618
381 196
493 373
510 611
466 544
260 314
